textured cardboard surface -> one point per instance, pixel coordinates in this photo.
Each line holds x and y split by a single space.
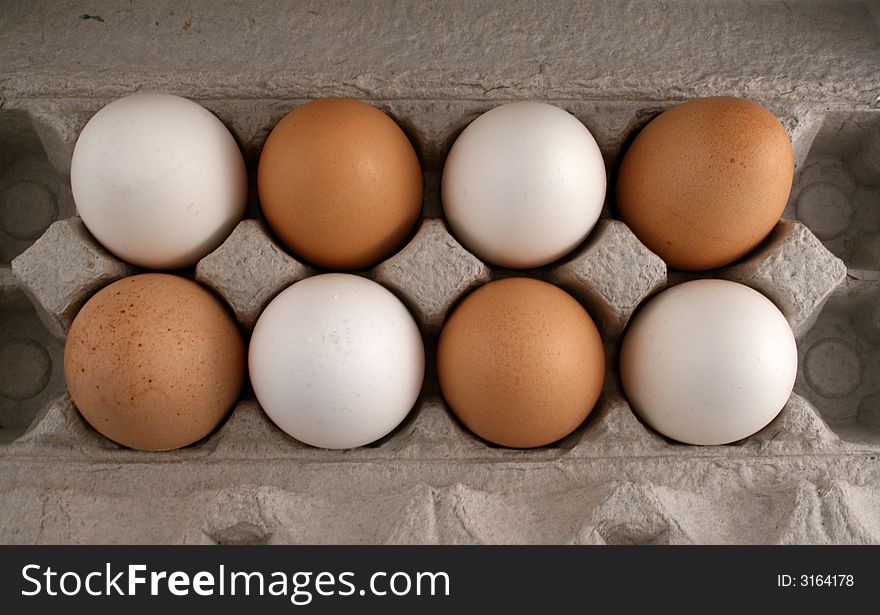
812 475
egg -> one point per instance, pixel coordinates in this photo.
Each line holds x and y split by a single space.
340 184
705 182
708 362
158 180
523 185
154 362
336 361
520 362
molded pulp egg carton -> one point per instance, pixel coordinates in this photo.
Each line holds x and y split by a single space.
812 475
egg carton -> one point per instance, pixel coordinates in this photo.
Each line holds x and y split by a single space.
810 476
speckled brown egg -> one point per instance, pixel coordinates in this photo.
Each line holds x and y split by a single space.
154 362
520 362
705 182
340 183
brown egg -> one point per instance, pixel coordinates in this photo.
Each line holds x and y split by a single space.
705 182
154 362
340 184
520 362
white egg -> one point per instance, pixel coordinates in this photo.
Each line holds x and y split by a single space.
708 362
336 361
523 185
158 180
